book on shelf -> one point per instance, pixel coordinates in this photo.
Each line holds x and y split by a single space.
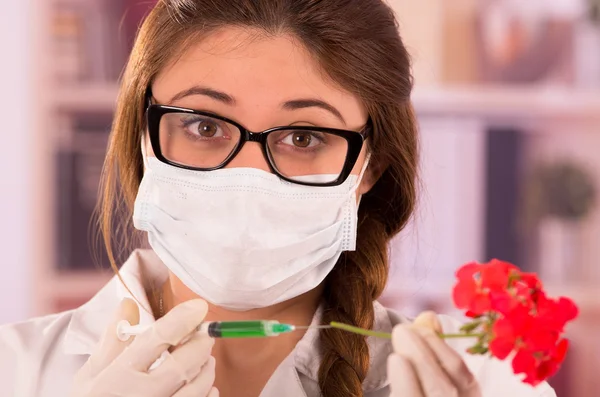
91 40
78 169
67 27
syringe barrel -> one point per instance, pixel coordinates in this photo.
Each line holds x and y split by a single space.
239 329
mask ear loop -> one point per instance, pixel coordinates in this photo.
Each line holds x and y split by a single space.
360 177
120 325
362 173
144 153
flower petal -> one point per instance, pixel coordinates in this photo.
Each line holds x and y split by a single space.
495 275
568 309
468 270
531 280
480 303
503 340
524 363
464 292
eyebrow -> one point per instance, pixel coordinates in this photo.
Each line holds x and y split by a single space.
307 103
229 100
209 92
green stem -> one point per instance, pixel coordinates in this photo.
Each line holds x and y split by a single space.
360 331
449 336
385 335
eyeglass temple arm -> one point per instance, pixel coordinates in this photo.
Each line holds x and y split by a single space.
148 98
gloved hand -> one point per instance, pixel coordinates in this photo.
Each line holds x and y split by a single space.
121 369
423 365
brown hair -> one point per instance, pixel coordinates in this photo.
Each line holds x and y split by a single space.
358 46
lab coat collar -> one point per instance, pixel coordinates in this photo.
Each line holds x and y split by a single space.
144 269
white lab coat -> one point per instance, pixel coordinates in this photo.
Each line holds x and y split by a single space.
40 357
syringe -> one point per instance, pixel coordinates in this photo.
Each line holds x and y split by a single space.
220 329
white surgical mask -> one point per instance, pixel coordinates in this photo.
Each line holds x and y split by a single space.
243 238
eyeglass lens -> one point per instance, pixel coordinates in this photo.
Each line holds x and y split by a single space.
201 141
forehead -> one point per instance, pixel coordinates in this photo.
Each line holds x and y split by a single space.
260 71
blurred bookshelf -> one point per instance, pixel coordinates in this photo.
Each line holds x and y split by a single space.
83 46
86 51
517 103
87 97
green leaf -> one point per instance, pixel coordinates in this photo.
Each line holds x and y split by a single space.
478 349
470 327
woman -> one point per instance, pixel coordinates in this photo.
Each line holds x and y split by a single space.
246 135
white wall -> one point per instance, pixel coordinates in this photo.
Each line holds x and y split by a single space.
17 120
448 229
423 40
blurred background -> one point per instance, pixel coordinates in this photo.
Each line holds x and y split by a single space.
508 98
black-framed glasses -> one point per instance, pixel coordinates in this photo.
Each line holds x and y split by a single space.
203 141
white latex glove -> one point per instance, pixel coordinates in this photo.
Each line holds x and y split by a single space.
423 365
121 369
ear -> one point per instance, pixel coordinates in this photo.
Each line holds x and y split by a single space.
372 174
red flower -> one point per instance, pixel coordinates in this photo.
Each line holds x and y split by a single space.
505 302
471 314
525 287
554 314
522 332
540 366
495 275
504 339
531 280
466 293
512 314
481 285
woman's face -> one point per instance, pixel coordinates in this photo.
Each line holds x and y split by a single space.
260 82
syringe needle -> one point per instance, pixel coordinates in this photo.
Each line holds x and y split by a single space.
312 326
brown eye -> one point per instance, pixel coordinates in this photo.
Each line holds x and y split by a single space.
207 128
301 139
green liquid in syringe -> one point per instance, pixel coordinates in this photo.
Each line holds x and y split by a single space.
247 329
